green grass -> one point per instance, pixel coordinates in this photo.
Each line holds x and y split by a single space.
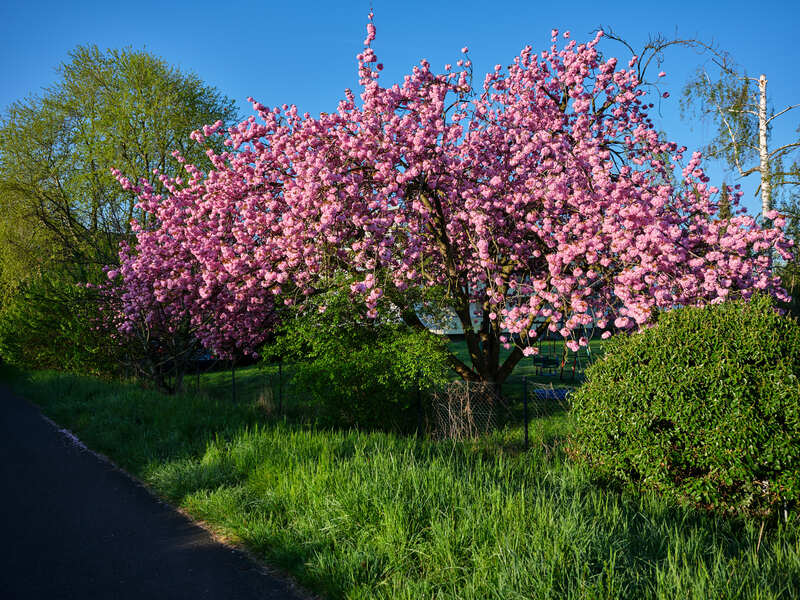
261 382
373 515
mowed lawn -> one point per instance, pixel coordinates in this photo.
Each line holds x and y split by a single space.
353 514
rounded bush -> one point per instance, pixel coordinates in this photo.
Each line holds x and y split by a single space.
704 407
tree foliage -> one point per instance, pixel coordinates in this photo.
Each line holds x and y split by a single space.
723 97
125 109
358 370
52 323
542 199
64 213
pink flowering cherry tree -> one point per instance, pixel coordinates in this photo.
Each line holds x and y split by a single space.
541 200
167 306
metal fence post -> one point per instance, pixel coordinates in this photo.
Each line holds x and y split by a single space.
525 407
419 407
280 386
233 380
265 385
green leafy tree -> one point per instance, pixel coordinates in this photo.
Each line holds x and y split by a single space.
52 323
790 270
123 109
64 213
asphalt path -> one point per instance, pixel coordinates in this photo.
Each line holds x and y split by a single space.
74 526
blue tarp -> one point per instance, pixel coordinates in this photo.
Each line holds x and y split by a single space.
552 394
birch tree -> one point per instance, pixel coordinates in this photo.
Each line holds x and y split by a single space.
738 105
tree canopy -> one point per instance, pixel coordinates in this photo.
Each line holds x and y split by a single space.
123 108
64 213
541 200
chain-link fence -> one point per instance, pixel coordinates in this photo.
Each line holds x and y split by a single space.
466 409
553 361
458 410
469 409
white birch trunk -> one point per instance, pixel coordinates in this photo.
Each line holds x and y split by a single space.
766 201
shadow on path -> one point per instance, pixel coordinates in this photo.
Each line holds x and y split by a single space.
76 527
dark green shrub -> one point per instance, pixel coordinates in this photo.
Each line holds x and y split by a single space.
53 323
703 407
357 371
373 384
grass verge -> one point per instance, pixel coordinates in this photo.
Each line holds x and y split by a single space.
373 515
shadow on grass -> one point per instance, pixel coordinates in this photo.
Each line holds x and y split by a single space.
300 505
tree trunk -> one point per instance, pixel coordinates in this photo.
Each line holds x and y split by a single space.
763 154
486 363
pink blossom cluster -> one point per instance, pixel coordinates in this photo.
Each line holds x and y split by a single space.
544 197
162 287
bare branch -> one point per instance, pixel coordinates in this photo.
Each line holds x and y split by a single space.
787 109
746 112
656 45
784 149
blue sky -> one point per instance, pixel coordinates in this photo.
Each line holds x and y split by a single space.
304 52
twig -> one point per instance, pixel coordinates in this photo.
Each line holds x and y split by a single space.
760 533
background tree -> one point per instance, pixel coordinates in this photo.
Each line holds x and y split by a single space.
739 107
63 212
790 269
725 208
541 200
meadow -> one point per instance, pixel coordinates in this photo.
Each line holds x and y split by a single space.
369 514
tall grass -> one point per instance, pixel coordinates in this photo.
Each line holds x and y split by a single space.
373 515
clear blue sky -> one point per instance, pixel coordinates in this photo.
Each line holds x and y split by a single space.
304 52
